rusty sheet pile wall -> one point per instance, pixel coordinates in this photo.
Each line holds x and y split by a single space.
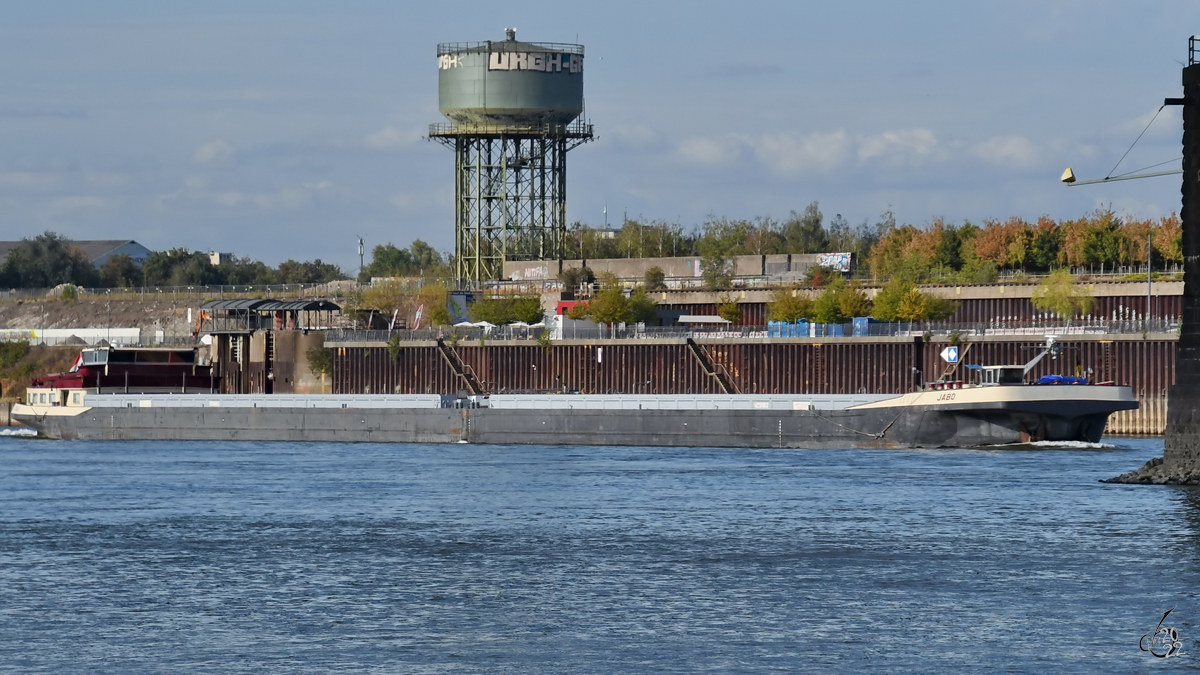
668 367
662 367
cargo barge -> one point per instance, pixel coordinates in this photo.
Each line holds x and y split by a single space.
995 406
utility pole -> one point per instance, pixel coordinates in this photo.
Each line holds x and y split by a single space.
1149 275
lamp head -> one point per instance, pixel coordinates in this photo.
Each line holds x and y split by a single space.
1068 176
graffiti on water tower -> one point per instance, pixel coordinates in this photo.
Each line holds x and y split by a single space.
546 62
541 62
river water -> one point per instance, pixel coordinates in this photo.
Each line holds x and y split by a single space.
120 557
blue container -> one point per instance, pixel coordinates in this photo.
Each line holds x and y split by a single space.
862 325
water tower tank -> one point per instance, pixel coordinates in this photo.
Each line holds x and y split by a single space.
510 84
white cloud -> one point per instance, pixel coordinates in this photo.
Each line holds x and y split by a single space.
76 202
390 137
286 198
214 152
320 185
1165 127
711 151
1015 152
787 153
904 146
402 200
106 179
633 135
28 180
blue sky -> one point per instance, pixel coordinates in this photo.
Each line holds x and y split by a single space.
284 129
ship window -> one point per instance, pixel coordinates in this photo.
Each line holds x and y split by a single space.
95 357
75 398
42 398
1011 375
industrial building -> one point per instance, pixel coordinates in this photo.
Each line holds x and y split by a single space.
98 251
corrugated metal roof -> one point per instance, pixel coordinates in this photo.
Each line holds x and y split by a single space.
272 305
234 304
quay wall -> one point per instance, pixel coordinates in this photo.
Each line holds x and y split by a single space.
787 366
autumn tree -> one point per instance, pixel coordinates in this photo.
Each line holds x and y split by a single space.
887 300
245 271
433 300
717 272
763 237
901 300
1045 241
1168 239
789 305
308 272
1058 293
120 271
655 278
938 308
805 232
507 309
827 308
912 306
1002 243
611 305
180 267
47 260
388 298
854 302
419 259
574 277
729 309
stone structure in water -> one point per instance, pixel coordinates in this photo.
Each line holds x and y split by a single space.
1180 463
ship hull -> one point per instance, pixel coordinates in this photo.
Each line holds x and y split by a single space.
894 426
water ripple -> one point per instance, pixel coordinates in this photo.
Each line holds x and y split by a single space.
296 558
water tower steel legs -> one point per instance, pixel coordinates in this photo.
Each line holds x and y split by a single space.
510 201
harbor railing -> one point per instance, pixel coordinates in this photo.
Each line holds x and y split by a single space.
935 330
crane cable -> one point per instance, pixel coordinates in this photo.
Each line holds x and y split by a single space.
1139 137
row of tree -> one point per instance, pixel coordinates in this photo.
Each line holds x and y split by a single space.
940 250
720 237
840 301
976 253
966 253
49 260
900 300
180 267
403 304
418 260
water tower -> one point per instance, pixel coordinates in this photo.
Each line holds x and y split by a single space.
515 110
